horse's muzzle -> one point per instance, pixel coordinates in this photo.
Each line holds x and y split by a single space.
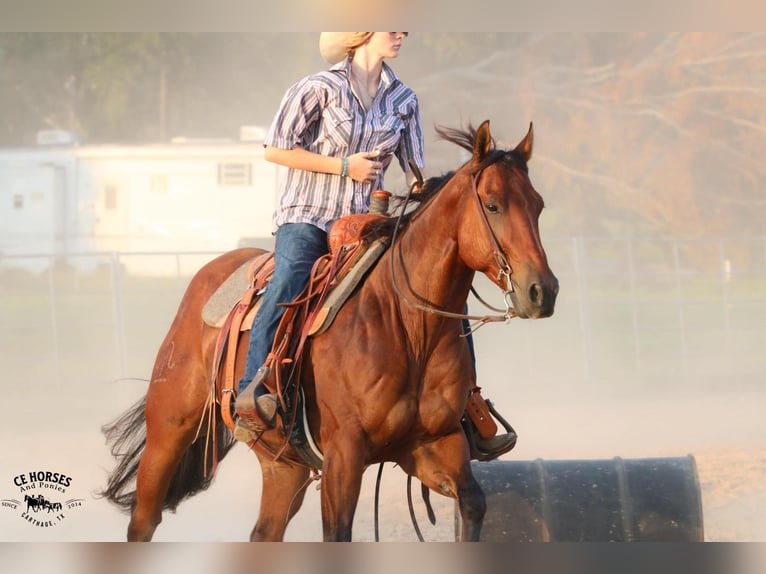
537 299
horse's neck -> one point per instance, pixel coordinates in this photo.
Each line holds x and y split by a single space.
429 251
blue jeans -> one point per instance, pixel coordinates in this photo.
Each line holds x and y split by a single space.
298 246
469 338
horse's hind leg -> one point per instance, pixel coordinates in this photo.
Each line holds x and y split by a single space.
283 490
445 467
155 471
174 406
165 446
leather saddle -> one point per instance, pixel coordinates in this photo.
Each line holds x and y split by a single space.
355 246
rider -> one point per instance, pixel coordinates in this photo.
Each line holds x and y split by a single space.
358 104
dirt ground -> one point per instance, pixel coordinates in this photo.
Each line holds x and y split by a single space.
733 485
723 431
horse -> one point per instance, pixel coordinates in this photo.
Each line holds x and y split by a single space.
33 502
388 381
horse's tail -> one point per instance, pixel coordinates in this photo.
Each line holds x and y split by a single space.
127 438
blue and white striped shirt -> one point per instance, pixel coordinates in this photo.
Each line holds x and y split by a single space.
321 114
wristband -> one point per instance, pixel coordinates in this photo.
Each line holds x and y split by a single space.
344 171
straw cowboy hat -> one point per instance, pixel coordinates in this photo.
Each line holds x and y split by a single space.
334 46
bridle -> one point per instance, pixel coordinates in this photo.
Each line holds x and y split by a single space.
504 273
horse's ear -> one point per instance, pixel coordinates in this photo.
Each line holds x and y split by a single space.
482 141
524 149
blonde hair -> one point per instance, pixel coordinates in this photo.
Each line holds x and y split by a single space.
356 39
334 46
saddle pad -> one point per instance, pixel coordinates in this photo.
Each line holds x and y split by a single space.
337 297
226 296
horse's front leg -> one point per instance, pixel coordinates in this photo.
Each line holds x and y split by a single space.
444 466
472 505
341 484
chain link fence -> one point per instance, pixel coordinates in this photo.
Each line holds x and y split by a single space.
631 313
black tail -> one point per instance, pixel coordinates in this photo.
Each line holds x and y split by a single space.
127 437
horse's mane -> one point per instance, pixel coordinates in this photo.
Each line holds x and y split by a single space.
385 226
466 139
463 138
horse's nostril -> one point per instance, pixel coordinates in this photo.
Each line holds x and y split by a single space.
536 294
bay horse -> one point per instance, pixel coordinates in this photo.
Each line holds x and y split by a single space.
388 381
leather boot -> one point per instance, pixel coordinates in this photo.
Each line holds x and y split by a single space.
255 413
484 442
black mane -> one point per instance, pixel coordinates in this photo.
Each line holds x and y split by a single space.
431 186
466 138
385 227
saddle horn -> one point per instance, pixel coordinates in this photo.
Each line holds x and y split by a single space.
416 171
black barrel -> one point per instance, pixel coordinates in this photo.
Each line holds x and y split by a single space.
647 499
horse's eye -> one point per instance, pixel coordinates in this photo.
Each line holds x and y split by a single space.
491 207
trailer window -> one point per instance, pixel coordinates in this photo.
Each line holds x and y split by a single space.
234 174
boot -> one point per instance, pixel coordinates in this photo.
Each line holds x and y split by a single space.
481 428
255 414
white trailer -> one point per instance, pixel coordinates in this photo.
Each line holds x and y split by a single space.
185 196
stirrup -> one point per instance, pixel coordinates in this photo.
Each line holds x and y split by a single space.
254 412
483 449
261 417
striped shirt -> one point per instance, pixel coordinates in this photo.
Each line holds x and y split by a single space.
321 114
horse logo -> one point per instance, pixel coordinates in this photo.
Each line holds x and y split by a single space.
36 508
39 502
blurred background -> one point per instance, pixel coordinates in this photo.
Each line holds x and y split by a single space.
127 161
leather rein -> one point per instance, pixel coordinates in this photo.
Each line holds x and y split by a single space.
504 272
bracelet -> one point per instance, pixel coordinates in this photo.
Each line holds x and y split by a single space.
344 171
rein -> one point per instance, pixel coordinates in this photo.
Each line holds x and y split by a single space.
504 273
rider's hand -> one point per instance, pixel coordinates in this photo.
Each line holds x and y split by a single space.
365 166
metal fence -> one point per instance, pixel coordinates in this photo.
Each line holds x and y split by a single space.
652 311
631 312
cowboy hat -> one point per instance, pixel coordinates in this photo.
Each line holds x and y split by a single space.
334 46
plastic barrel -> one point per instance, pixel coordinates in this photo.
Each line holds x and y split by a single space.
620 500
